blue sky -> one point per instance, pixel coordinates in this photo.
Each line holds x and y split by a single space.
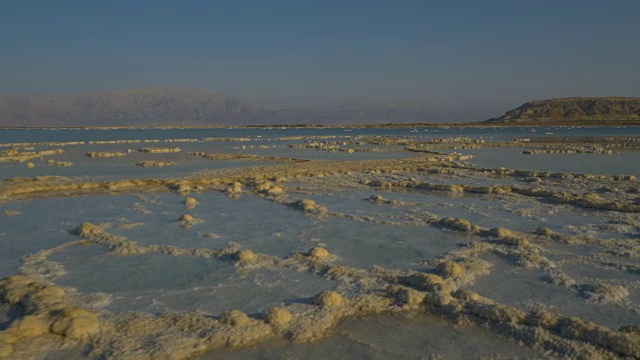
460 54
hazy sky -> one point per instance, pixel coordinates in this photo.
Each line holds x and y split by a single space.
453 53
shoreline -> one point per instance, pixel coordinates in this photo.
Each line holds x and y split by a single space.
315 126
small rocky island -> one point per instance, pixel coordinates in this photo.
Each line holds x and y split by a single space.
574 111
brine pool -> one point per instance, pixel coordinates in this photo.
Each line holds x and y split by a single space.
306 250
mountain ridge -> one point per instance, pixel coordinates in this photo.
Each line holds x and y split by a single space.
190 107
157 107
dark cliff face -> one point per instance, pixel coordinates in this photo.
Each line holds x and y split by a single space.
186 107
574 109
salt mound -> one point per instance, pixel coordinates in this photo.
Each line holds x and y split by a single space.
36 297
275 191
278 316
544 231
604 293
154 163
466 295
246 256
319 253
263 186
5 349
235 318
410 296
187 221
449 269
509 237
421 281
234 191
311 208
88 229
328 299
29 326
190 203
269 188
501 233
456 224
542 318
75 323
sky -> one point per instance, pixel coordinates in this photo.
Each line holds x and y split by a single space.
467 55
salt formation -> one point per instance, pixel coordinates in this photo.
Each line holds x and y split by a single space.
410 297
543 230
449 269
328 299
44 315
269 188
160 150
246 256
190 203
47 310
278 316
187 221
457 224
105 154
235 318
309 207
234 191
75 323
418 291
186 218
154 163
319 253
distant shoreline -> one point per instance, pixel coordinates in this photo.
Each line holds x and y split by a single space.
346 126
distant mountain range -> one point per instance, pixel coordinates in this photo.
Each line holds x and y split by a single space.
188 107
584 110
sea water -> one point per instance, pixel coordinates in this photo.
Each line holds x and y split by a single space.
398 234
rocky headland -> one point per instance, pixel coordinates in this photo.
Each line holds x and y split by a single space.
574 111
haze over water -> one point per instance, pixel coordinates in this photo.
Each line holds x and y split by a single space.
473 59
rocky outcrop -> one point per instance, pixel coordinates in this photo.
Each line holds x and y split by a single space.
575 109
